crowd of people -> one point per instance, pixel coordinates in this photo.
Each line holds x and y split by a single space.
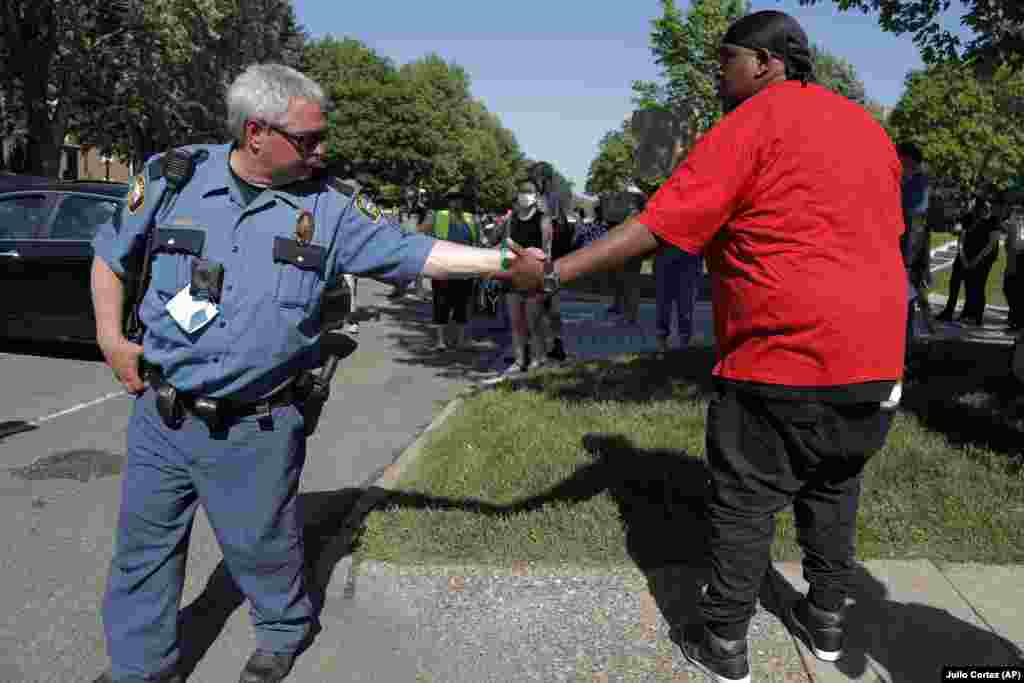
534 320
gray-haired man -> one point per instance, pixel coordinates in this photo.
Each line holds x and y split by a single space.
218 417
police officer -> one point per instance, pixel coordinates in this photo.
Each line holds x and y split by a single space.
240 256
801 231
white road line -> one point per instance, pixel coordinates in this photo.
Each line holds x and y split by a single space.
80 406
46 418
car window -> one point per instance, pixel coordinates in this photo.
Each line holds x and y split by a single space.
20 215
78 218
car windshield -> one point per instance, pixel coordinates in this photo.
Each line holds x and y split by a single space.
80 217
20 215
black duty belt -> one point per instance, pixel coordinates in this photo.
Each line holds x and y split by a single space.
173 404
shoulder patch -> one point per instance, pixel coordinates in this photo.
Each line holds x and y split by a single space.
138 194
368 208
341 186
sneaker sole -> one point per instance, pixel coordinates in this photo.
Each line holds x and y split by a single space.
717 678
800 631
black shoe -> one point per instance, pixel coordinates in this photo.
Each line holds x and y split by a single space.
557 352
722 661
945 316
266 667
820 631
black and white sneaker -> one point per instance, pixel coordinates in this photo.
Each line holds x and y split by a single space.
722 661
819 630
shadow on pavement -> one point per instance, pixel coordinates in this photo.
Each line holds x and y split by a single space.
911 641
203 620
416 341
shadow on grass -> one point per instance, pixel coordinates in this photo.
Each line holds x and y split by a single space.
967 393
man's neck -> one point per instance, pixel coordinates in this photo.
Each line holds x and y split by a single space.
246 168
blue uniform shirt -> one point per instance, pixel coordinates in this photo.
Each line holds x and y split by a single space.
268 328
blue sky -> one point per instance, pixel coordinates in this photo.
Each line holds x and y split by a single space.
558 72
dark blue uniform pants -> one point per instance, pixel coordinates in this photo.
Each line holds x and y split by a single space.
765 454
247 480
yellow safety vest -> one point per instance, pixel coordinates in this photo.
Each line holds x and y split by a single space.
442 219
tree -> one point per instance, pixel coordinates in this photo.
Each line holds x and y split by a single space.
969 131
132 76
612 169
998 25
53 54
417 126
184 55
686 49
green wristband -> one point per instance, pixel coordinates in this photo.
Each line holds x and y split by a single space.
504 256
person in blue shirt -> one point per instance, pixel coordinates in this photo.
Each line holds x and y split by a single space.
914 244
217 418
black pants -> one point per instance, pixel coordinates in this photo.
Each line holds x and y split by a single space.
974 284
451 300
765 454
956 278
1013 284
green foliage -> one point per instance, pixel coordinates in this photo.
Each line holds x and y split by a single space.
997 24
969 129
417 125
134 82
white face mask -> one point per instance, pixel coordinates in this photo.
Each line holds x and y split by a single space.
527 199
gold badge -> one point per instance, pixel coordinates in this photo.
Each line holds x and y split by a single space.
304 228
368 208
138 194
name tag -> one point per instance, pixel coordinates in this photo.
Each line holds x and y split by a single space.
180 240
304 256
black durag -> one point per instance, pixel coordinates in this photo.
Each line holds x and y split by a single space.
779 34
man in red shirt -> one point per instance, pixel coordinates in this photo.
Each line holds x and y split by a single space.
794 200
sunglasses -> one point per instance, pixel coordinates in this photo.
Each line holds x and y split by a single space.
303 142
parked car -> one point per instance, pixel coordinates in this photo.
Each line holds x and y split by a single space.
46 230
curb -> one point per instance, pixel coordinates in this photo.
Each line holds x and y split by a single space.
341 581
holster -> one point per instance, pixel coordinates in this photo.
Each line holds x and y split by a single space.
313 392
170 408
208 410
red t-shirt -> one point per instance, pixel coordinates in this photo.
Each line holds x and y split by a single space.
794 198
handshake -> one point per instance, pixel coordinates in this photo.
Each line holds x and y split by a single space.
525 272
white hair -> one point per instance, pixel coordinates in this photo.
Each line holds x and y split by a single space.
264 91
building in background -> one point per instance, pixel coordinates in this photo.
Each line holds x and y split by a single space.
77 162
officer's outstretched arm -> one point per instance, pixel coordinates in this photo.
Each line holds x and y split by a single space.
448 260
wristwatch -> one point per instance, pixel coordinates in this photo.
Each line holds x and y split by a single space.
552 283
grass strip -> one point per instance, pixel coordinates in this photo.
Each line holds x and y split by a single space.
602 465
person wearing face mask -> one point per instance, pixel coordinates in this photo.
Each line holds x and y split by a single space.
528 226
800 228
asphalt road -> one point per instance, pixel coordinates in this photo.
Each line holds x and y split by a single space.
59 483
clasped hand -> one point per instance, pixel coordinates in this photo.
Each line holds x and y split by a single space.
526 272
